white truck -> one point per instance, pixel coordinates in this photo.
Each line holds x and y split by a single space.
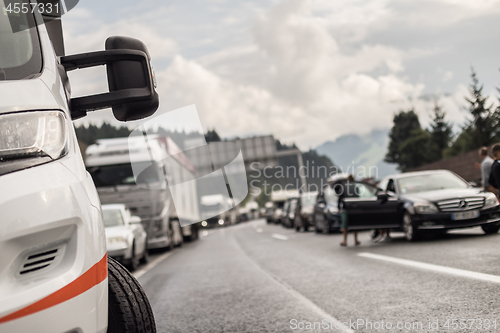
55 275
218 210
147 195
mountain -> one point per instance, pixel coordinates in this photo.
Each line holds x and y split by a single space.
361 155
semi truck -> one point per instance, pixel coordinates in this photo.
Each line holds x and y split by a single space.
136 172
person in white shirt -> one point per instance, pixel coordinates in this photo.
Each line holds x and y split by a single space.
486 162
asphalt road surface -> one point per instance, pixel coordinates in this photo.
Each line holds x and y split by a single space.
257 277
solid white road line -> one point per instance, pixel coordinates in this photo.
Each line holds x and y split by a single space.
304 300
278 236
434 268
152 264
258 229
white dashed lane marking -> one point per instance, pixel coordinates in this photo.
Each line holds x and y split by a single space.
278 236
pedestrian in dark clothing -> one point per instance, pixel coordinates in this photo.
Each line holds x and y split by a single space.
345 190
494 178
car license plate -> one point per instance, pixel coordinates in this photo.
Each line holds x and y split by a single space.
465 215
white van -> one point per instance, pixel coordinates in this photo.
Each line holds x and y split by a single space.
54 272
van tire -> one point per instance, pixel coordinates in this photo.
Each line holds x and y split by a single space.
129 310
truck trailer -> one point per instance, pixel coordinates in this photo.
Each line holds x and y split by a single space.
156 162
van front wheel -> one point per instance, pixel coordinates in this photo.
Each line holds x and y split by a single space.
129 310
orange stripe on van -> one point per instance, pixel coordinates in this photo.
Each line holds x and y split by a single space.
95 275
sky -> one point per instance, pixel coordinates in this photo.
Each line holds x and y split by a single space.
306 71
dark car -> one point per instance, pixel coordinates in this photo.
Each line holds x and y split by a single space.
269 214
289 212
440 200
367 206
304 213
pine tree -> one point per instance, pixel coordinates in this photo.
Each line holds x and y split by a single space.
405 122
441 133
483 126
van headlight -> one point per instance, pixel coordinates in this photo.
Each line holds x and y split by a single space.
31 138
425 208
491 200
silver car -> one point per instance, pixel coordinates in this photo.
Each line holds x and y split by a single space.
125 235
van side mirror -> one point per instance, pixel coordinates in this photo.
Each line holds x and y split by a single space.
132 86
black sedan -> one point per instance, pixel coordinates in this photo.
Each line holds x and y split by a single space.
368 207
440 200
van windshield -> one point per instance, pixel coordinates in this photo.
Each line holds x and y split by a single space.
122 174
20 55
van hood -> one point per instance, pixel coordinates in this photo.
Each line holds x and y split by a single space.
23 95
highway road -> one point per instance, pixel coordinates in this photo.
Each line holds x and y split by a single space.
257 277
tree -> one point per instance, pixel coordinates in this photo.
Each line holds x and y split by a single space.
483 128
405 122
441 133
90 134
414 151
212 136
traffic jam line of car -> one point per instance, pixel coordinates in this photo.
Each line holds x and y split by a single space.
416 203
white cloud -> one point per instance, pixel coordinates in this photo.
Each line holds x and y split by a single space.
307 75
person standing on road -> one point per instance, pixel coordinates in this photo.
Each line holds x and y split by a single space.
348 189
485 167
494 178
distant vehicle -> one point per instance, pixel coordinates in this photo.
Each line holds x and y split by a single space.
269 212
278 198
125 236
304 212
252 208
289 213
148 196
438 201
219 209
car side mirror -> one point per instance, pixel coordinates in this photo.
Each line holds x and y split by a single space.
135 219
132 86
382 197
